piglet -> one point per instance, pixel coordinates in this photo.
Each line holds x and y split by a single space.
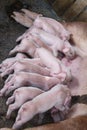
8 65
24 78
10 61
56 67
20 96
26 67
52 26
54 42
58 96
48 24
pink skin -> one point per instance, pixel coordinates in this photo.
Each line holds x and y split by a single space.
26 67
8 65
20 96
78 67
50 40
53 42
48 24
24 78
25 46
56 67
52 26
57 94
10 61
42 23
38 42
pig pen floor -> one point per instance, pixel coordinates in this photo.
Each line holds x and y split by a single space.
9 31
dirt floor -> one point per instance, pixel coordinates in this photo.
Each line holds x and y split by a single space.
9 31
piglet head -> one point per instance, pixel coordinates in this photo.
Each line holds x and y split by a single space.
65 77
65 35
69 51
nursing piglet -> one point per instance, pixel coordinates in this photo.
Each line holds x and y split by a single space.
48 24
20 96
24 78
52 26
54 42
10 61
7 66
56 67
26 67
57 97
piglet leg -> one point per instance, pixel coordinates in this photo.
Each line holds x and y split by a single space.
30 14
10 109
23 113
16 49
8 84
3 90
10 100
26 46
22 19
7 71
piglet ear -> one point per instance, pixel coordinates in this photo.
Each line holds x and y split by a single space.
62 76
66 49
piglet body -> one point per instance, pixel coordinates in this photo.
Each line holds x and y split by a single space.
24 78
26 67
54 42
52 26
57 97
55 66
20 96
10 61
